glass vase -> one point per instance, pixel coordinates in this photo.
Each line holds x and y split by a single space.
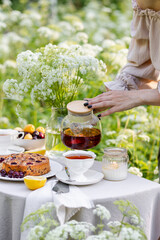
53 144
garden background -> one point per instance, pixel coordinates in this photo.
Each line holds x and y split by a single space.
28 25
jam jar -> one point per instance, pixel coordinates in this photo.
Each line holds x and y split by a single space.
80 129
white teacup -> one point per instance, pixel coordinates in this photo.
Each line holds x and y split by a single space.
7 136
79 162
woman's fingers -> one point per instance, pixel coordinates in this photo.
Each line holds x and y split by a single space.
109 111
103 105
97 110
100 98
116 101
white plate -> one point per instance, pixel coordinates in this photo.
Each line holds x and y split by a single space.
55 168
91 175
13 149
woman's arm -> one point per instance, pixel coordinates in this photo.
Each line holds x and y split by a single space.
119 100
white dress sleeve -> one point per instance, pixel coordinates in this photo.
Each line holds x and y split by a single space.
144 51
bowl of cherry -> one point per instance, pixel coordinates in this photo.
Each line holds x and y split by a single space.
11 174
34 138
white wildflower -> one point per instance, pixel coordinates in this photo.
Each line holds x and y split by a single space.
135 171
15 16
4 120
48 33
13 38
78 26
91 50
129 234
122 137
26 21
144 137
119 42
119 58
114 224
11 89
156 171
134 220
108 44
136 118
7 3
36 232
102 212
2 26
4 50
10 63
80 229
110 133
35 16
82 37
3 17
105 235
127 40
106 9
59 233
110 141
66 27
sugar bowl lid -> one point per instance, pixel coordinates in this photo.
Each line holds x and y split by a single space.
78 107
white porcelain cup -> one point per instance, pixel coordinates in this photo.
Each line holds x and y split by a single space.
77 167
7 136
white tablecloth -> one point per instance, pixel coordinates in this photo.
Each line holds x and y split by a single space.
143 193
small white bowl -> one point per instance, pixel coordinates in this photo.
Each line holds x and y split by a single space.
77 167
28 144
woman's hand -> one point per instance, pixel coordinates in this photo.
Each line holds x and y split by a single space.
117 101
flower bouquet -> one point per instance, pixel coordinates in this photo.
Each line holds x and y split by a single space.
52 77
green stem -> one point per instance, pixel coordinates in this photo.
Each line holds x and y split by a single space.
121 226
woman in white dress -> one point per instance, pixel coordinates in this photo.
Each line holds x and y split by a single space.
142 71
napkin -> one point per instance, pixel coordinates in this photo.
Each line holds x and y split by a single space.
67 204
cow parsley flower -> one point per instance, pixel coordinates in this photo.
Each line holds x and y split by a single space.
79 230
2 26
114 224
59 233
105 235
102 212
129 234
78 25
36 233
48 33
82 37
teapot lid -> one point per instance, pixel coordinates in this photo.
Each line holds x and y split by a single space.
78 107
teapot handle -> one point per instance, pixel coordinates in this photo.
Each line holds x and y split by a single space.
20 134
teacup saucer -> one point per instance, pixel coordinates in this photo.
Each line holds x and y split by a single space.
12 149
91 176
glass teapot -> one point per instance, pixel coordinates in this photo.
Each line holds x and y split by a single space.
80 129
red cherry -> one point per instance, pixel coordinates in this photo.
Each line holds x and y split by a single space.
41 135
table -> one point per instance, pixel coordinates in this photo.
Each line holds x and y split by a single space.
143 193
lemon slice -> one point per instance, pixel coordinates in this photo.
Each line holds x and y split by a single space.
40 151
34 182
